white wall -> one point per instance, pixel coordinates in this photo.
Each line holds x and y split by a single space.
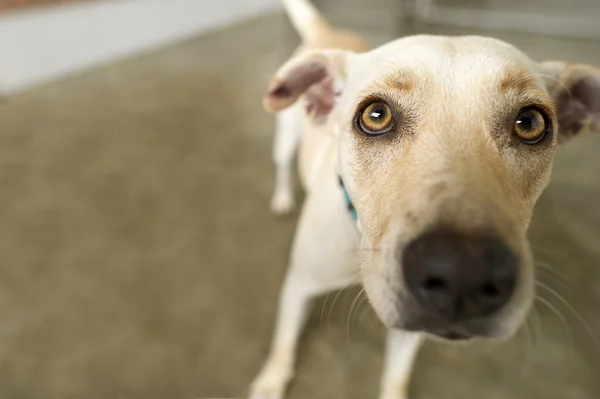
43 44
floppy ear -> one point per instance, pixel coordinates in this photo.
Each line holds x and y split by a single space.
575 89
319 75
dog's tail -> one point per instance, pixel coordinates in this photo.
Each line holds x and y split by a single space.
307 20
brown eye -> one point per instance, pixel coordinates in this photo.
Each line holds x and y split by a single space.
376 118
530 126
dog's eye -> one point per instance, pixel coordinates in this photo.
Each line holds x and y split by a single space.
376 118
530 126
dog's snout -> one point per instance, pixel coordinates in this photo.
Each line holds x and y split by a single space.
456 277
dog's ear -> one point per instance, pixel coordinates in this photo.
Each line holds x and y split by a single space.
575 89
319 75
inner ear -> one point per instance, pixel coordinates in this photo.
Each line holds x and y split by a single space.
284 90
320 99
576 93
578 108
315 76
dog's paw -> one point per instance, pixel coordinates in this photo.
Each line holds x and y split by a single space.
396 396
282 202
393 394
270 384
266 394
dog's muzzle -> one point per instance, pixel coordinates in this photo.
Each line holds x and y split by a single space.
458 282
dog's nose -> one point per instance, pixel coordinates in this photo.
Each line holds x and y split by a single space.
458 277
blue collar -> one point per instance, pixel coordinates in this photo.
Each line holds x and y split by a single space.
349 203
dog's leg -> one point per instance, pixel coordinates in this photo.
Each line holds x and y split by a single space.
401 351
294 307
287 136
323 259
295 304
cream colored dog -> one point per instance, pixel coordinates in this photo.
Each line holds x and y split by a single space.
422 161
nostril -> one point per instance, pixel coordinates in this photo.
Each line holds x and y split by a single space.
434 284
458 276
491 291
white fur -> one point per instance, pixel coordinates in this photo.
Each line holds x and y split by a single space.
303 14
288 133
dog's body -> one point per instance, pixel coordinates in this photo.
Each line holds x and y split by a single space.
444 144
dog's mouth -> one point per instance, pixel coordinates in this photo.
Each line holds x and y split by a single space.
453 335
447 334
451 331
460 334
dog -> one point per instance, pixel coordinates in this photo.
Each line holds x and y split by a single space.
422 161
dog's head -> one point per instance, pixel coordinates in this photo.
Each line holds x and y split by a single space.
445 146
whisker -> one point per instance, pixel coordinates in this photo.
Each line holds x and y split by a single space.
339 290
528 345
560 316
565 277
342 262
555 206
360 313
334 301
323 307
542 249
366 309
536 327
360 296
553 274
564 273
574 311
362 290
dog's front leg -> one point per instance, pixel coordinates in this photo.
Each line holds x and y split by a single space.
294 307
401 351
323 259
295 304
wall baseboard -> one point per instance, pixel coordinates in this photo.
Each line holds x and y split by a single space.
44 44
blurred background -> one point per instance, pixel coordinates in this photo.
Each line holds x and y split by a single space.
138 258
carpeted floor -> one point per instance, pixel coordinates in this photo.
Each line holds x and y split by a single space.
138 258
